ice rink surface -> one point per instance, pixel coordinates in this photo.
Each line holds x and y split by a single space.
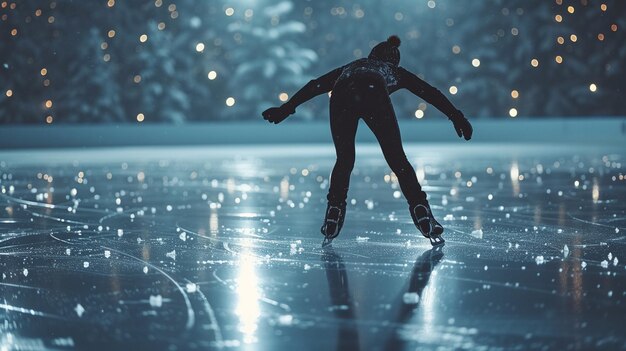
220 248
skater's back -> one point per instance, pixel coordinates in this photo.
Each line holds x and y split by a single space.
383 62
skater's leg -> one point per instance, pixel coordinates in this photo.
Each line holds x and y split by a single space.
382 121
384 125
343 126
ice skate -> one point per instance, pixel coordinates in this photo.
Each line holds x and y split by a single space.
426 223
436 240
333 222
421 218
437 228
327 242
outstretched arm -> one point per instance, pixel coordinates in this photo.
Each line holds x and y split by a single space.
427 92
436 98
312 89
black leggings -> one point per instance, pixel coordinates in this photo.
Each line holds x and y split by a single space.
366 96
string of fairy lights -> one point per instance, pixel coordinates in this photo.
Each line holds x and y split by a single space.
563 12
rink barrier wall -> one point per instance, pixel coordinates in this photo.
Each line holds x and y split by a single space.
593 130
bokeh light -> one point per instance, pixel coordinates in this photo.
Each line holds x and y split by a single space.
158 59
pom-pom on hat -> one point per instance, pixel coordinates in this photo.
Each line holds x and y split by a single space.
387 51
394 41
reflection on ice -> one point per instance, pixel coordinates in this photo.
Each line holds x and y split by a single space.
515 178
247 309
595 191
214 222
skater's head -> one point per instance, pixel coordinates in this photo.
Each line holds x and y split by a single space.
387 51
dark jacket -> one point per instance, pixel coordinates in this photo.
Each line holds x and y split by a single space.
396 78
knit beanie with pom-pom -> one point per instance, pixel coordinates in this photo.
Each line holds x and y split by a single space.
387 51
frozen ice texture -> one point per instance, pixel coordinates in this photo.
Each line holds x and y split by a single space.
254 270
191 287
410 298
171 254
156 300
79 310
478 233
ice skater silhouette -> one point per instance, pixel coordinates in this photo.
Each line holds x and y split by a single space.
361 89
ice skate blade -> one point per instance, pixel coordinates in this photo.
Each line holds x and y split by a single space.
436 251
327 242
436 240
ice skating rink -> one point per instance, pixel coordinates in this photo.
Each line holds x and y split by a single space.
219 248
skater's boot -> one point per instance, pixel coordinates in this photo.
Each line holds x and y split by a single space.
437 228
420 214
335 214
425 222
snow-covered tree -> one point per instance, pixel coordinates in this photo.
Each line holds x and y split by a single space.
92 94
268 59
100 61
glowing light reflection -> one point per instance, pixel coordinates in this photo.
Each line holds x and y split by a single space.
214 222
248 309
421 174
284 189
427 301
515 178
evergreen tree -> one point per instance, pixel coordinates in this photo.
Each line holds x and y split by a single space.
22 57
268 59
86 61
82 66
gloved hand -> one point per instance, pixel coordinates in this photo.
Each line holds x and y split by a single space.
462 125
277 114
